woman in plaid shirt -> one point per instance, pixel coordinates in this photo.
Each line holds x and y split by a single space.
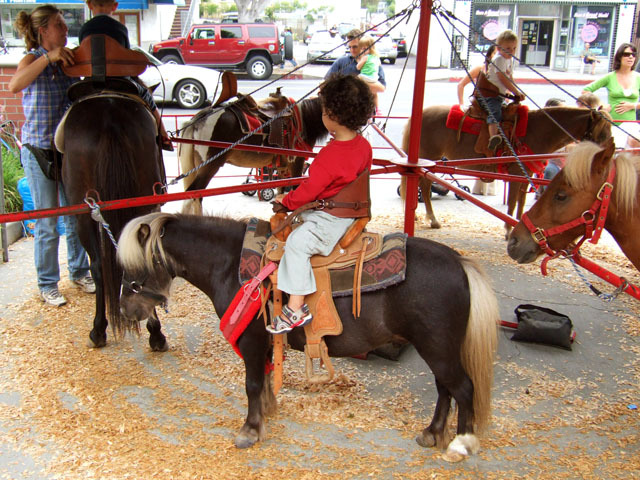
44 100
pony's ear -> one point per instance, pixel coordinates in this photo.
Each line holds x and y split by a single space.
603 157
143 233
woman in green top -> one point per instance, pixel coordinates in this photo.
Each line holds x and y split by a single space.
623 87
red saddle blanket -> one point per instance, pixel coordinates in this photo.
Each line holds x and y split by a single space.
473 125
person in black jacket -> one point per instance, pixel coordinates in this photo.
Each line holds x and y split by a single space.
103 23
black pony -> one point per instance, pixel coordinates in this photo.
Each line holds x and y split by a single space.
445 308
220 124
111 152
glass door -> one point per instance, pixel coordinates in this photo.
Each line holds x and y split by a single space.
536 37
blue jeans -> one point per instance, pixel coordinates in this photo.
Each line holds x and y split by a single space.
46 237
318 234
495 107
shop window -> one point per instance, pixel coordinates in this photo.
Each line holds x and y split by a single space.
488 20
592 24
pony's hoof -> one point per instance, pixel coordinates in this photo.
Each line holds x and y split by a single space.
453 457
97 343
426 440
246 440
160 348
435 225
461 447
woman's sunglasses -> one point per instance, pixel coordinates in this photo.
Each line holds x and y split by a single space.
628 54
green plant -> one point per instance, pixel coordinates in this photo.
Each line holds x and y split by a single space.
12 172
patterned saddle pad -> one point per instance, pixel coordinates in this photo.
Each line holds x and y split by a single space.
385 270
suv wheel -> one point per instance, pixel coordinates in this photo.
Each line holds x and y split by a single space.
259 68
190 94
175 59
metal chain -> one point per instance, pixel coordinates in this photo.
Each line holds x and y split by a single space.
96 215
606 297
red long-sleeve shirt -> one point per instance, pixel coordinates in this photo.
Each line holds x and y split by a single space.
335 166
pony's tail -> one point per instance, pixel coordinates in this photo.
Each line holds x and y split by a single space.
481 340
186 156
116 178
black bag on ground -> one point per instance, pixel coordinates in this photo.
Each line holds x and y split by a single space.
542 325
50 161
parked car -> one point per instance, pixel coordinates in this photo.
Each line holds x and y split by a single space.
401 42
188 85
386 47
324 44
250 47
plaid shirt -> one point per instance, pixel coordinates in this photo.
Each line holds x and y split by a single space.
44 102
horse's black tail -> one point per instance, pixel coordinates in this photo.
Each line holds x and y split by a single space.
117 178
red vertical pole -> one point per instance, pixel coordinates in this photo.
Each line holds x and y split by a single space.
411 201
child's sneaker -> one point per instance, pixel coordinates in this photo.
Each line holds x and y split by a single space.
288 320
494 142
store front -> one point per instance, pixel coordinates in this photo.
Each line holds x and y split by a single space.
552 34
75 13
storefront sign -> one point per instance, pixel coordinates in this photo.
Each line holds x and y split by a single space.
490 30
589 33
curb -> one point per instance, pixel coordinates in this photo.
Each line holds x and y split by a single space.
14 231
541 81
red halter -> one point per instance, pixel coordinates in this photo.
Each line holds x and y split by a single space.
591 219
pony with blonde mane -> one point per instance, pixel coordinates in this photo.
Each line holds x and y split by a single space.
573 191
445 307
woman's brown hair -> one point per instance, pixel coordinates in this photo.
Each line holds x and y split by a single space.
28 24
617 58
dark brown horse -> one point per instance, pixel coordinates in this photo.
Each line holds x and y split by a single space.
445 308
221 124
111 152
573 192
543 136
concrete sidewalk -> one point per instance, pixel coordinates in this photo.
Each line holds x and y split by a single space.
523 74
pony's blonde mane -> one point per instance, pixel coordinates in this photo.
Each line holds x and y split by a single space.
577 172
136 257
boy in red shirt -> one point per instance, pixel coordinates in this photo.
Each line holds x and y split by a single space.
347 105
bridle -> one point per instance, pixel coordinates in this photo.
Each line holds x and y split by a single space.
592 219
137 287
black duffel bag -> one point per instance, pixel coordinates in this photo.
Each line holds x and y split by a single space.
50 161
543 325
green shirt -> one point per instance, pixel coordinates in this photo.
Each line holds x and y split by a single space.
617 94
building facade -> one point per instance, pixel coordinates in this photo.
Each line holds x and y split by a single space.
148 21
552 33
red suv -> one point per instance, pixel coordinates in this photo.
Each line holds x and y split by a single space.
250 47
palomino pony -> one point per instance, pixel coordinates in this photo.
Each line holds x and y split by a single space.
221 124
543 136
570 196
111 152
445 308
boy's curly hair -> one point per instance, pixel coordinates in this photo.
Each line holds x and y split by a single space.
347 100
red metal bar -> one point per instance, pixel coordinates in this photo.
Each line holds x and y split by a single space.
490 160
248 148
411 199
397 149
467 196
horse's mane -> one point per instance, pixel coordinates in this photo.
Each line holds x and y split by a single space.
135 257
132 255
577 172
311 112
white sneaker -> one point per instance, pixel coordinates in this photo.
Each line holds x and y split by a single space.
53 297
86 284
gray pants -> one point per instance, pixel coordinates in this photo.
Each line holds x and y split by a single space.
318 235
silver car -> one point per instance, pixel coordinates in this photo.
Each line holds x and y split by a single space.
188 85
387 49
324 47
